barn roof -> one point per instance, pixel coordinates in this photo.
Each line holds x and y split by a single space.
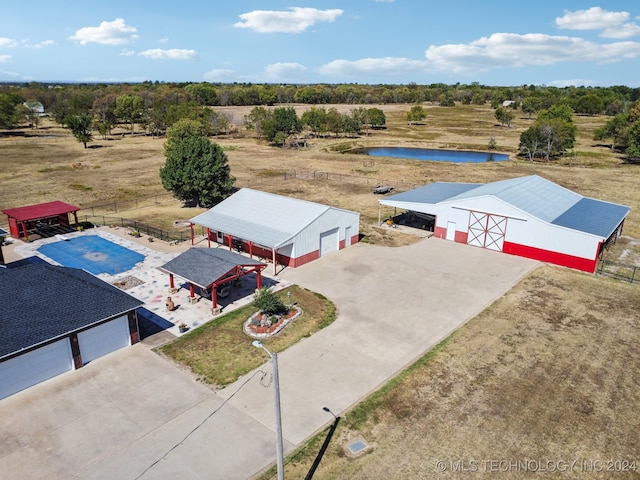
264 218
41 302
534 195
203 266
41 210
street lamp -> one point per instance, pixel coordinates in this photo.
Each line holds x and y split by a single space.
276 398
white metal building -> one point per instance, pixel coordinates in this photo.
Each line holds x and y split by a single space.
279 229
527 216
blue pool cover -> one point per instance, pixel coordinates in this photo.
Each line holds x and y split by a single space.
92 253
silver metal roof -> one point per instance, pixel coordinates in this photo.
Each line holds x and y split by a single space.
534 195
265 218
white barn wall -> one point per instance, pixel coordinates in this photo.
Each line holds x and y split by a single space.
308 239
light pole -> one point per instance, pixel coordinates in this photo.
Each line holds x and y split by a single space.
276 398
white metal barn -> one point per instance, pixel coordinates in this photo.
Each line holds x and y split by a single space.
280 229
527 216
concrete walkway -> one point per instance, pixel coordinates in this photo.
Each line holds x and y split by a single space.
118 415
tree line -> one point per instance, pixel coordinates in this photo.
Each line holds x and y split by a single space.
152 107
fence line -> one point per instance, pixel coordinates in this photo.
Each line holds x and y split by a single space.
621 271
141 227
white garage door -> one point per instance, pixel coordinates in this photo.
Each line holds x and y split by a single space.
328 241
486 230
103 339
34 367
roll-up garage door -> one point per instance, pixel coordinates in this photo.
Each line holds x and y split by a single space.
328 241
486 230
34 367
103 339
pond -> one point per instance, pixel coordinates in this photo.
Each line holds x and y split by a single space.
434 155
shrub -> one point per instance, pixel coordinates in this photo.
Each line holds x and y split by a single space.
267 301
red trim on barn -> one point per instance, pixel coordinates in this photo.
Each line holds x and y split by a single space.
440 232
461 237
562 259
23 219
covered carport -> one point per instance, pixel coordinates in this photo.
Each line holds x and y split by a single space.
43 219
208 269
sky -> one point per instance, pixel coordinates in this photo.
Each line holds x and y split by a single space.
491 42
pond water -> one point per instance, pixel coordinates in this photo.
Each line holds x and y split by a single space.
434 155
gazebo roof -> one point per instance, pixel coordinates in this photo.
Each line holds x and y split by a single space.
41 210
204 266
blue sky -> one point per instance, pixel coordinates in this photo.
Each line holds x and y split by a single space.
493 42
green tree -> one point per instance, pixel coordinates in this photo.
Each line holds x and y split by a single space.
590 104
80 126
376 117
615 129
530 105
416 114
316 120
633 146
8 109
256 119
504 116
129 108
195 168
283 123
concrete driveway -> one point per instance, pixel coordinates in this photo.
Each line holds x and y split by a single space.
120 414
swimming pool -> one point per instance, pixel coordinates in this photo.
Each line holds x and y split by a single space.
92 253
434 154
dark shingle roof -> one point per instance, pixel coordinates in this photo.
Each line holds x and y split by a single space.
203 266
40 302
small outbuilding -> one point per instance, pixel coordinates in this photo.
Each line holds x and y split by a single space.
279 229
55 319
43 219
528 216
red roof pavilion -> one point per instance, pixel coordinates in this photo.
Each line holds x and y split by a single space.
29 219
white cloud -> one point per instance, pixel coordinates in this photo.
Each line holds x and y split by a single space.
7 42
108 33
163 40
171 54
286 72
5 58
220 75
533 49
125 52
383 1
44 43
611 24
387 66
296 20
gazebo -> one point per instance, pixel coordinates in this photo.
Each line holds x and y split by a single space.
208 269
44 219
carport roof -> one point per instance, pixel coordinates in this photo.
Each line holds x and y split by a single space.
42 302
204 266
264 218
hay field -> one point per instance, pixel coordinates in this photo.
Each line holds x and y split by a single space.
48 164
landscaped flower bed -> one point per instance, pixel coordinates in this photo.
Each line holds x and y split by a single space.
260 325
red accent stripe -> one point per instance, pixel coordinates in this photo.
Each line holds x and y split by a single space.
571 261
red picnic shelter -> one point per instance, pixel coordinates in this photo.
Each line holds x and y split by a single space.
43 218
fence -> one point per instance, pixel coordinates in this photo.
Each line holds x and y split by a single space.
134 203
134 225
329 176
630 273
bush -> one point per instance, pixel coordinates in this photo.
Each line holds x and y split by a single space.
267 301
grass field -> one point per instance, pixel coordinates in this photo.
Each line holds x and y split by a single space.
551 371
